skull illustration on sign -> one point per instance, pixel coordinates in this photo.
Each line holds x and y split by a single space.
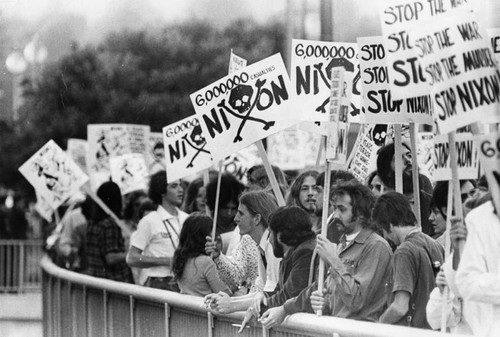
196 136
240 98
379 132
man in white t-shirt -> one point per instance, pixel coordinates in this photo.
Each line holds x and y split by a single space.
153 244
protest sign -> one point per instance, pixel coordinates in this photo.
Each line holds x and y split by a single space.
312 64
245 106
494 35
458 62
467 157
365 159
129 171
378 103
53 174
155 156
236 63
320 128
185 149
489 155
398 17
238 163
336 144
109 140
425 150
77 150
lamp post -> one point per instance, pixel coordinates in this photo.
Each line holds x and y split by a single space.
16 65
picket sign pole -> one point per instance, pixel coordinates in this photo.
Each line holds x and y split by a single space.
354 149
447 252
320 151
414 164
206 180
270 173
398 160
324 227
457 199
217 194
105 208
57 216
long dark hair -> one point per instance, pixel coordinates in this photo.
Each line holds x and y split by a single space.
190 205
191 241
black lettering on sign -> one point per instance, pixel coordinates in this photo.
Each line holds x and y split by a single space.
324 51
436 7
214 124
495 43
419 104
372 52
221 88
489 150
414 74
382 101
187 125
478 92
403 13
177 151
465 150
446 100
479 58
376 74
443 38
441 152
469 31
401 41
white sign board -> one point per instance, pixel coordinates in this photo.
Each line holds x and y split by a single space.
77 150
130 172
155 157
458 62
489 155
378 104
110 140
186 150
53 174
312 64
466 154
245 106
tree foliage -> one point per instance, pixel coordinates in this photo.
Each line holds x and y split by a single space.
131 77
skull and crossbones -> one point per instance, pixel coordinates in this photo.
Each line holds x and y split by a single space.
240 100
197 142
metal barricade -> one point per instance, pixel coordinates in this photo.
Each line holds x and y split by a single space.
81 305
20 265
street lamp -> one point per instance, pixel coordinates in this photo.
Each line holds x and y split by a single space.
16 65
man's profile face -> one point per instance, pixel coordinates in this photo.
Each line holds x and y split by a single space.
406 156
277 246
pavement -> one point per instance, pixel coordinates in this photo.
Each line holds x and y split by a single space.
21 315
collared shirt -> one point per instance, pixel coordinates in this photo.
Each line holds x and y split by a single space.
358 291
478 274
157 235
268 275
103 238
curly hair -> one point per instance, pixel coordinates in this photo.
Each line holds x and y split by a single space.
192 241
293 223
362 200
158 186
131 203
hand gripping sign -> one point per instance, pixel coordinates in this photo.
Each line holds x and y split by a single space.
53 174
312 64
245 106
186 150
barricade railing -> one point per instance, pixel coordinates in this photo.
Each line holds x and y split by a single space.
80 305
20 265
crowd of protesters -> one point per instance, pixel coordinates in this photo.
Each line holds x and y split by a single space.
381 265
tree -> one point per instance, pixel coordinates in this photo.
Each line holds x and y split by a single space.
141 77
